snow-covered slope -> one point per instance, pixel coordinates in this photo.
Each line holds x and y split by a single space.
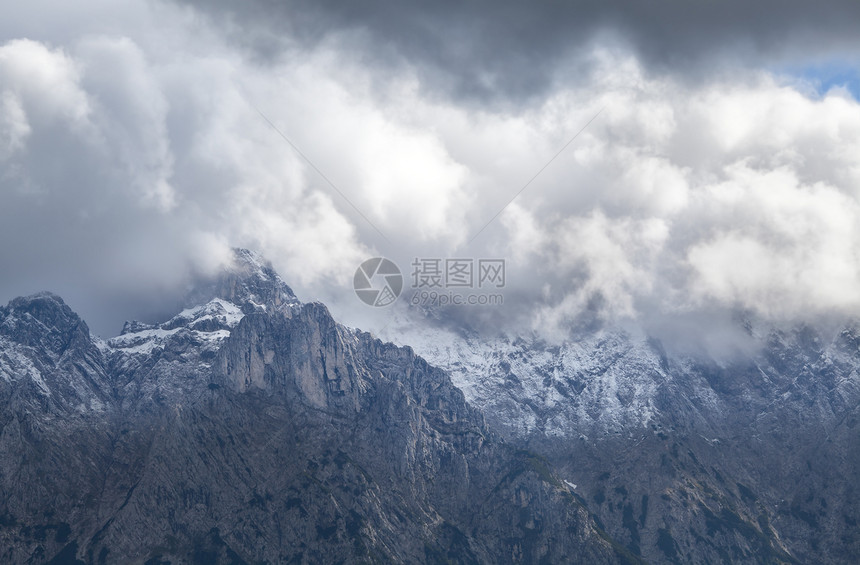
604 383
207 323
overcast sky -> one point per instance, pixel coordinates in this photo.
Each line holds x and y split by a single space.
719 175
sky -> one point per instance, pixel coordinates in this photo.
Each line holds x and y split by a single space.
665 163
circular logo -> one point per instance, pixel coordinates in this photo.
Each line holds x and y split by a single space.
377 282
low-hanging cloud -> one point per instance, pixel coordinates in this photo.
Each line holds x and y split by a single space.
134 156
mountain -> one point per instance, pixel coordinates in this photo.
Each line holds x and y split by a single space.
685 458
253 428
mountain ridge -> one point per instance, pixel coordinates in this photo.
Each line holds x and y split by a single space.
748 458
253 428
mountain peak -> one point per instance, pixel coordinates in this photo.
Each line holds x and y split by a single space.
39 298
249 282
251 260
43 319
46 308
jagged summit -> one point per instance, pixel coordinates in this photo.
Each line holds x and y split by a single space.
48 359
42 319
249 282
214 307
45 307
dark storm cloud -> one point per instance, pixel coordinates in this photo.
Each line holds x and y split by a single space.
504 50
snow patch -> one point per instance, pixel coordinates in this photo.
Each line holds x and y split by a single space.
143 342
14 365
217 309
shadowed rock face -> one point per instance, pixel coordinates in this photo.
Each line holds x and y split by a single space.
251 428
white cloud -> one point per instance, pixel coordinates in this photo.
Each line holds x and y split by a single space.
46 80
13 124
792 250
739 194
131 115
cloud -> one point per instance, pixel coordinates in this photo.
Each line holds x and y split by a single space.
761 216
795 252
134 155
131 115
131 158
502 51
123 177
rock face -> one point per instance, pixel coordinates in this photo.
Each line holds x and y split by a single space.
684 458
251 428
